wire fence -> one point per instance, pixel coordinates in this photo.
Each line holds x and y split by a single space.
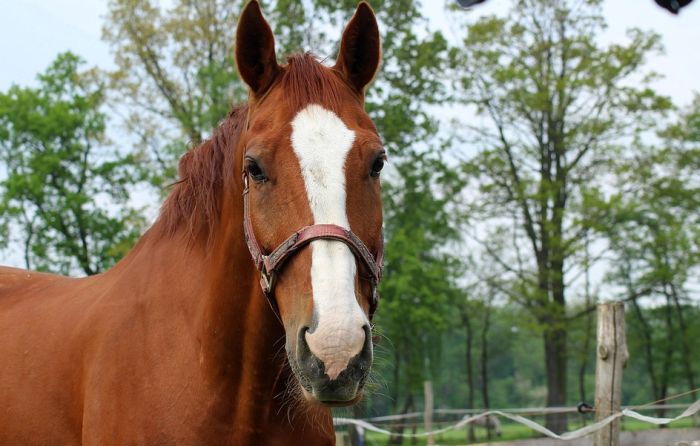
516 415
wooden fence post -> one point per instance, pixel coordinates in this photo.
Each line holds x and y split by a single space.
611 357
428 413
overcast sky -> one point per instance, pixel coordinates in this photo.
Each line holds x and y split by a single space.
32 32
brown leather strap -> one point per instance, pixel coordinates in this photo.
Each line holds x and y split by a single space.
251 241
271 265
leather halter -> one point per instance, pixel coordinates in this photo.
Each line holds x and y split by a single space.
270 265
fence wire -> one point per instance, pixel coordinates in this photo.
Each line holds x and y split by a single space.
578 433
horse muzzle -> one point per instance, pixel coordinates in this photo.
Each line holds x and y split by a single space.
336 389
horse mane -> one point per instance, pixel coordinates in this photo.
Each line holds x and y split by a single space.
194 203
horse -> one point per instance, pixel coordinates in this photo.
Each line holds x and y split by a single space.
242 315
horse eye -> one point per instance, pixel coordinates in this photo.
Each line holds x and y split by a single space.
377 167
255 172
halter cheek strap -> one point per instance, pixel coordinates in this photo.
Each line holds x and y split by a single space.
270 265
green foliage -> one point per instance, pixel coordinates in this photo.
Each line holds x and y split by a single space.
419 289
558 106
64 192
175 73
651 222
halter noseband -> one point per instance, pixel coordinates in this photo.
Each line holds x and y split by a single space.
270 265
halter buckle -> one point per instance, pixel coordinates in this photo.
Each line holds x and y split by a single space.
265 283
266 278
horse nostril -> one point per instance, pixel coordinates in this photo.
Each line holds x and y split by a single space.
302 346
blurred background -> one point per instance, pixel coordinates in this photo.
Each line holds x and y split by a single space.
544 156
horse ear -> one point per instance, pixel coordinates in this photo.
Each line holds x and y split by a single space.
360 48
255 49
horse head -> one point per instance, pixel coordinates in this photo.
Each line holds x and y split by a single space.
312 159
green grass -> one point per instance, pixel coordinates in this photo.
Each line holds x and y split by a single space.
631 424
511 431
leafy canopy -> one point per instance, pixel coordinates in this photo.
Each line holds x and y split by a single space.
65 194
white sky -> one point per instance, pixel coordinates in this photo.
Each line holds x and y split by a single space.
32 32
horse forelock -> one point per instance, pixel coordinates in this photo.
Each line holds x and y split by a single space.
305 80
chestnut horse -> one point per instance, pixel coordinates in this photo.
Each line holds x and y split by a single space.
178 344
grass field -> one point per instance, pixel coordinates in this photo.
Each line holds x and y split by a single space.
511 431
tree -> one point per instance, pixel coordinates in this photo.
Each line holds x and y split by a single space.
419 287
652 223
555 105
65 194
175 73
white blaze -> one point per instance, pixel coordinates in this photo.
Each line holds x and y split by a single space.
321 142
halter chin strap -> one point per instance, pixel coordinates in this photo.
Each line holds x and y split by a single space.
270 265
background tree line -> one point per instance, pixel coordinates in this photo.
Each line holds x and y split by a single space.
562 178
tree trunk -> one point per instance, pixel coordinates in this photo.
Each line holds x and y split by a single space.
687 356
397 375
357 413
648 353
555 341
398 439
395 395
555 359
587 333
469 341
668 354
485 359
